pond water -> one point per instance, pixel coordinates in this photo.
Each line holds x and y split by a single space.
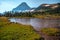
37 23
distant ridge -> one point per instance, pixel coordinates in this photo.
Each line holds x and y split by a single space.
47 7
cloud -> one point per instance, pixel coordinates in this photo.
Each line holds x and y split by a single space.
7 6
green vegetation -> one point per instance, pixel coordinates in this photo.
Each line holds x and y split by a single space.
50 31
15 31
33 14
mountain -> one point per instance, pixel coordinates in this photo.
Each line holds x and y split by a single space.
22 7
48 7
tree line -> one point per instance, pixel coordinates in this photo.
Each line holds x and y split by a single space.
29 14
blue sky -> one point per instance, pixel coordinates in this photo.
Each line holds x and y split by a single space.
7 5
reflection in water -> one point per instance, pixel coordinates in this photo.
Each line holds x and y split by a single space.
36 22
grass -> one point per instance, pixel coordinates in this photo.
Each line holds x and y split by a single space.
3 19
47 16
50 31
14 31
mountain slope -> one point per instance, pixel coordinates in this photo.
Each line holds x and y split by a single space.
48 7
22 7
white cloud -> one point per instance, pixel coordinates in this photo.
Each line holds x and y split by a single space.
7 6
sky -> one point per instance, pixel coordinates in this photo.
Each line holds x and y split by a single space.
8 5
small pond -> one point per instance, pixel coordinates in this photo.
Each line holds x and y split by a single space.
37 23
